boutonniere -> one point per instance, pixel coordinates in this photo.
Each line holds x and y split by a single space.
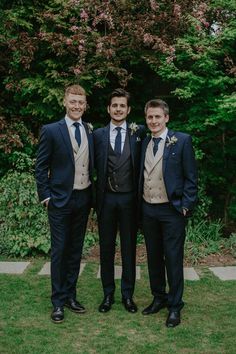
138 138
171 141
90 127
133 127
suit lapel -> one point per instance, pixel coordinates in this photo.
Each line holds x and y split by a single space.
66 137
167 150
132 141
105 140
90 142
143 151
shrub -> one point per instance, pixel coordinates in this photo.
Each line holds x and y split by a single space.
24 229
203 238
23 222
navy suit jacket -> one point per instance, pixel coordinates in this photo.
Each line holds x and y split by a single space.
101 148
55 166
179 171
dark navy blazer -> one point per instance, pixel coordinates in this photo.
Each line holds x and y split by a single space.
55 166
179 170
101 148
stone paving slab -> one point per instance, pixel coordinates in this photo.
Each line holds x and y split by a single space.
46 269
224 273
118 271
190 274
13 267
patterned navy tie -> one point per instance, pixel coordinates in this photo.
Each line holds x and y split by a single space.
155 145
117 147
77 133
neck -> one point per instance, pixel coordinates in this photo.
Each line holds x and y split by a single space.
118 123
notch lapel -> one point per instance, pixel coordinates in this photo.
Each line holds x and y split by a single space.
90 144
167 150
66 137
105 140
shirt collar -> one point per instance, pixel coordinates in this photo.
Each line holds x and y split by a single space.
113 126
163 135
70 121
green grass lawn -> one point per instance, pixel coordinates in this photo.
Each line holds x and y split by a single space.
208 319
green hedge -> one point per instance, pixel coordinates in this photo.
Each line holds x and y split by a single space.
24 227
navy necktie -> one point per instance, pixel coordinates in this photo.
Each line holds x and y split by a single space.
155 145
117 147
77 133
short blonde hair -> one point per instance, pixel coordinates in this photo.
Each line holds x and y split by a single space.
75 90
156 103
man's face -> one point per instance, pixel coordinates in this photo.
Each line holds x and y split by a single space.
156 120
75 105
118 110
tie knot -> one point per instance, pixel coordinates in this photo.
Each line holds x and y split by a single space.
155 144
118 129
76 124
156 140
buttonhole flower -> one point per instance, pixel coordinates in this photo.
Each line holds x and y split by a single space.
171 141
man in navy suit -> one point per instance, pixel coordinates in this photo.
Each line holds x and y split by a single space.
168 188
117 160
63 175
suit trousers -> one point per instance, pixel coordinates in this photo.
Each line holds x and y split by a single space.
68 227
164 232
118 212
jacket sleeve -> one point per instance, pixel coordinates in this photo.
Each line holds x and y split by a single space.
189 198
42 169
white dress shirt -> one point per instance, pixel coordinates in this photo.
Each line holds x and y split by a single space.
113 133
162 136
70 124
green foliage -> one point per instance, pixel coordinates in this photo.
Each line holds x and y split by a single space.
230 243
202 71
17 146
24 229
181 51
87 41
23 221
203 238
91 239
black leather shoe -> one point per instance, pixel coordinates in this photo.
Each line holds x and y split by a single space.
57 315
154 307
106 303
75 306
129 305
173 319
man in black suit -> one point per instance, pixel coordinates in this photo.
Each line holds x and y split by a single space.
117 153
63 175
168 188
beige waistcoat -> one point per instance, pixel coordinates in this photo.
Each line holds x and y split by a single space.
154 190
81 156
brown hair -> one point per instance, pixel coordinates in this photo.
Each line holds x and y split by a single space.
156 103
75 90
119 92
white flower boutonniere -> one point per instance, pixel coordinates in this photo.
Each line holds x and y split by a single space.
171 141
133 127
90 127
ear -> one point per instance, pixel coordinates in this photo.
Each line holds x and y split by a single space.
129 109
167 118
64 102
108 109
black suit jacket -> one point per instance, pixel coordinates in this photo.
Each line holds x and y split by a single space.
179 170
55 166
101 148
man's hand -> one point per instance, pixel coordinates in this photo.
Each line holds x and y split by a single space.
185 210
